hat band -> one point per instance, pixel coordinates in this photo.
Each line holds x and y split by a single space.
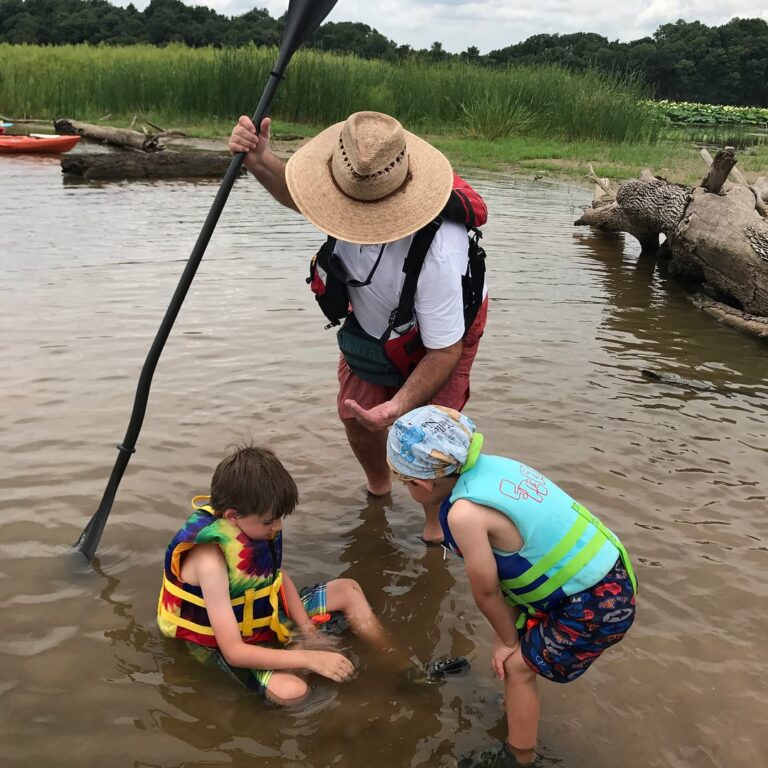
372 186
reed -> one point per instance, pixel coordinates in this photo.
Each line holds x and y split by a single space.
178 84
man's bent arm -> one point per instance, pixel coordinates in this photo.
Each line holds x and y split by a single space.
269 171
428 378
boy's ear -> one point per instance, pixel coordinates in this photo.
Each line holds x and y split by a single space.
427 485
230 515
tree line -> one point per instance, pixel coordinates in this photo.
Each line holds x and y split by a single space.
681 61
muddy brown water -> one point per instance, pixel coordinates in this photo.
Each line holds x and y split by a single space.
681 475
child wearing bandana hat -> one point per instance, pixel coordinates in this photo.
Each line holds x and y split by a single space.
555 584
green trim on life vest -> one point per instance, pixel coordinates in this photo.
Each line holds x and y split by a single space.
554 556
571 568
568 571
473 453
587 515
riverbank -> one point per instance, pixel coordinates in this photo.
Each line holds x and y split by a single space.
675 158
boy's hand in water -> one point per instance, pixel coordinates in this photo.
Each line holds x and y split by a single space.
334 666
312 639
500 654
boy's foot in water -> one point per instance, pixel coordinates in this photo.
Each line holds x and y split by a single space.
434 671
437 670
501 757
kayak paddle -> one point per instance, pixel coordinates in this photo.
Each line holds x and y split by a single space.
303 18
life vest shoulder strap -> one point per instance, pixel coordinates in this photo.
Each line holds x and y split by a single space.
414 261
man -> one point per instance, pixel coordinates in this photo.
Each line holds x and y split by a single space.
371 185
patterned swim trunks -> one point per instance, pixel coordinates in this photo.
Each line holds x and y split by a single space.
314 601
561 644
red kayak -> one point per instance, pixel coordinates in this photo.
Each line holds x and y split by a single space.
37 142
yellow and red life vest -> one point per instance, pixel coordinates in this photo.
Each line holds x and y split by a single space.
255 582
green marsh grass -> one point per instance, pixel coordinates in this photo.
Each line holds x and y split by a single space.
176 84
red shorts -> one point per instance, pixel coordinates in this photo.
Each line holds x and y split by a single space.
454 394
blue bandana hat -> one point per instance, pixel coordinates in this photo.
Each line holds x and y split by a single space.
432 441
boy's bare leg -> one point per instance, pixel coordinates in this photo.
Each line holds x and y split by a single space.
370 449
347 596
521 700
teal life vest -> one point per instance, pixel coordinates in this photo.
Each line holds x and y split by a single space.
566 549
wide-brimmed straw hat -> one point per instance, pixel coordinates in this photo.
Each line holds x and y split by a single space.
367 180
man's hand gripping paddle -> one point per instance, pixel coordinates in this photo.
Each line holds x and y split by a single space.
303 18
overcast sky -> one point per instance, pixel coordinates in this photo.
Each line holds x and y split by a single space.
491 24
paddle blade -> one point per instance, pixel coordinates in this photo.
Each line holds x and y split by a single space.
302 19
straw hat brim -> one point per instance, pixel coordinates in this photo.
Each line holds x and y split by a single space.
419 200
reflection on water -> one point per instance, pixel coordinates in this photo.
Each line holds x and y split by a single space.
679 473
736 136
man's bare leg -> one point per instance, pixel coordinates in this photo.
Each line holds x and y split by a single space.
433 532
370 449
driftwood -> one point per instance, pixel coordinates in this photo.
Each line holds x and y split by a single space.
719 169
120 137
608 215
753 324
759 188
716 234
20 120
133 165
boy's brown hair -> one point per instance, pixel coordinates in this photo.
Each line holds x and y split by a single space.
252 481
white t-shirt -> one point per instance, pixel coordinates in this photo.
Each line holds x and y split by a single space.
439 302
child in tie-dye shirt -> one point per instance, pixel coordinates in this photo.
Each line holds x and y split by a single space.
225 592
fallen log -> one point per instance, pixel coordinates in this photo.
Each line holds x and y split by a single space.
607 215
724 238
133 165
20 120
752 324
716 234
119 137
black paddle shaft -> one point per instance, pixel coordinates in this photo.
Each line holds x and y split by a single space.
304 16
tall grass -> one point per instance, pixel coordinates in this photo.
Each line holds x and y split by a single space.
180 84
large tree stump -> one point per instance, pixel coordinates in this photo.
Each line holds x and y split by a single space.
607 215
716 233
134 165
725 238
119 137
719 170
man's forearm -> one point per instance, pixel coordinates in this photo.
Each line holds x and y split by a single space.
428 378
269 170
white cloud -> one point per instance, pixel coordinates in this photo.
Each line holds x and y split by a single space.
491 24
